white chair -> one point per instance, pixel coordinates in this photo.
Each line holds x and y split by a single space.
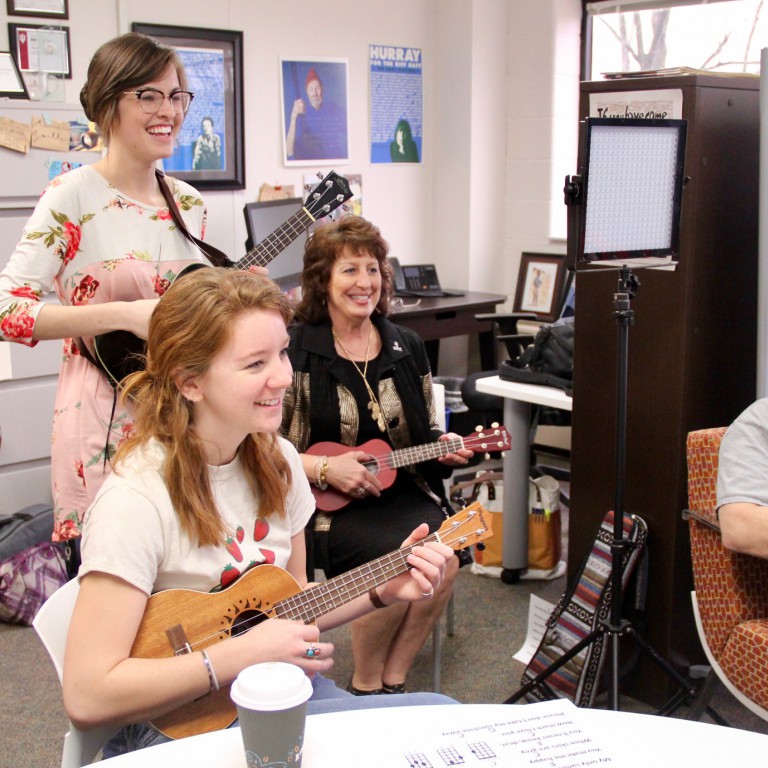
438 394
52 625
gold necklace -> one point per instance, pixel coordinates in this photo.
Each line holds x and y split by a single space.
373 406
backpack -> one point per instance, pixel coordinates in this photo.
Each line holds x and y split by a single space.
585 604
548 360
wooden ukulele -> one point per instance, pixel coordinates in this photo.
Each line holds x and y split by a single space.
180 621
383 461
120 353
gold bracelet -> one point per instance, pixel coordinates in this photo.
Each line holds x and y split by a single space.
323 484
375 599
212 679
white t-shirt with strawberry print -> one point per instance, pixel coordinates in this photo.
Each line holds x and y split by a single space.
132 530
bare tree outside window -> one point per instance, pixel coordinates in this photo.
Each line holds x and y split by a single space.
718 37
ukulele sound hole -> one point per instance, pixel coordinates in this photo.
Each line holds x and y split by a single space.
246 620
372 466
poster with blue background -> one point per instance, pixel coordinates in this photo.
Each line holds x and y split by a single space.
396 104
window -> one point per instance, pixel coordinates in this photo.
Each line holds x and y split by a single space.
718 36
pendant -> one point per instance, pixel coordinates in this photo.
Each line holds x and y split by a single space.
377 415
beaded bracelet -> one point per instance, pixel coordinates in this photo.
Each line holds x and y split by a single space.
316 471
212 679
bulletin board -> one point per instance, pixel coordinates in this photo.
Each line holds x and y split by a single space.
26 174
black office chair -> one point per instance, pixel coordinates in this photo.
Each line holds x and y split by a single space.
506 330
490 408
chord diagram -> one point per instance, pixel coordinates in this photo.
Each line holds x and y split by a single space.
417 760
450 756
481 750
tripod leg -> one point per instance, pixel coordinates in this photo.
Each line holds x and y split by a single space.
552 668
660 661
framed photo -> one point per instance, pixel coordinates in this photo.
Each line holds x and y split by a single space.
211 151
41 49
52 9
568 308
11 84
540 285
314 108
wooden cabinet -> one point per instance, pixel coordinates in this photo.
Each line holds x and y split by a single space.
692 356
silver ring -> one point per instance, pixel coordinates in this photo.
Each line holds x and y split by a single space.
361 491
312 652
431 593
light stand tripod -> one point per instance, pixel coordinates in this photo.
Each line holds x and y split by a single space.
615 626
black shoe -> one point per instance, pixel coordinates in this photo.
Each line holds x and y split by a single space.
359 692
394 688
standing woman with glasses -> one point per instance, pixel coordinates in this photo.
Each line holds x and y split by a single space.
103 238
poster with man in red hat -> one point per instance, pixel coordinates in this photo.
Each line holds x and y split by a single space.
314 96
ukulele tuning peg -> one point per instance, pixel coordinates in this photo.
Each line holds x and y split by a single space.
346 208
495 425
319 175
307 188
479 428
487 456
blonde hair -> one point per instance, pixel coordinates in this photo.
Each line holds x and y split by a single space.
122 64
190 325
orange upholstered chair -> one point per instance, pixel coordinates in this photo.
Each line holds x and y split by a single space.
730 600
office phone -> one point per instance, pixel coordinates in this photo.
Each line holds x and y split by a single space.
418 280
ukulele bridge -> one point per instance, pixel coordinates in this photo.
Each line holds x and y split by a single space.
177 637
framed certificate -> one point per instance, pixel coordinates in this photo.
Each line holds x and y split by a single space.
41 49
11 84
53 9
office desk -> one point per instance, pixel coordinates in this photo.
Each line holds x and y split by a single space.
439 318
480 734
517 419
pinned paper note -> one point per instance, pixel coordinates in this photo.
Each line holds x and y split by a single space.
15 135
51 134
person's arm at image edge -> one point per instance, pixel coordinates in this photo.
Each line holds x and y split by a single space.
744 528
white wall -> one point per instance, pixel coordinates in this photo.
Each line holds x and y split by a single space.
497 74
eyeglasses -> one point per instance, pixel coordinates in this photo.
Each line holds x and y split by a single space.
150 100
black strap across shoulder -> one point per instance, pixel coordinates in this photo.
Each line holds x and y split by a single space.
216 257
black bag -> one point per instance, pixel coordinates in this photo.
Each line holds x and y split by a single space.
548 360
22 529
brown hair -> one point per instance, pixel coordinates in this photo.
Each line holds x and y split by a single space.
122 64
322 250
189 326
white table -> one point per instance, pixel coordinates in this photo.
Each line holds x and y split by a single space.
503 734
517 419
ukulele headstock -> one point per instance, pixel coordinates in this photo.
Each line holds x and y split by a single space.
468 526
328 195
495 438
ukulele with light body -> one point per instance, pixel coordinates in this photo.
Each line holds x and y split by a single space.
178 621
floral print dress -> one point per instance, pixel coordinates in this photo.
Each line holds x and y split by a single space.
91 244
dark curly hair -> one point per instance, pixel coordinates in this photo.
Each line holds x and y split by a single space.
320 254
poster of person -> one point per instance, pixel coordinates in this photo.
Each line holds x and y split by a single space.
202 139
396 104
314 109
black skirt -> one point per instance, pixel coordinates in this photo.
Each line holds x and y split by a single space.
369 528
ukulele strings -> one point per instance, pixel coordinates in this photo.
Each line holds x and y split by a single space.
390 565
441 446
275 243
